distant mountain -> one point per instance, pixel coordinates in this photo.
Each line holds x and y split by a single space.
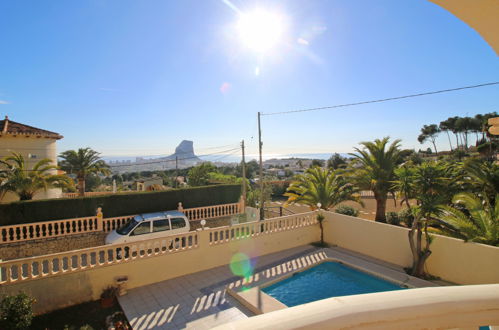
185 152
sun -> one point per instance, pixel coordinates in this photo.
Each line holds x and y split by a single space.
260 30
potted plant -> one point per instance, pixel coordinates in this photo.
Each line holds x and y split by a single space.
117 321
108 296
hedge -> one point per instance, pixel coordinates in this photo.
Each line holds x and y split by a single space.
115 205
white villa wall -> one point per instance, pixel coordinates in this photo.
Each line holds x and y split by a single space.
70 288
30 145
452 259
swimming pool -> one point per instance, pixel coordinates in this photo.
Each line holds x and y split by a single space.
326 280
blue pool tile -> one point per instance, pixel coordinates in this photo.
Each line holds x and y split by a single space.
326 280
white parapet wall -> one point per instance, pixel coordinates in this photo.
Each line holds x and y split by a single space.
454 307
452 259
69 278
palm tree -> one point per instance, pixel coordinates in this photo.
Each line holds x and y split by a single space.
431 189
478 222
82 163
404 184
321 185
377 170
3 183
429 132
484 176
321 188
26 182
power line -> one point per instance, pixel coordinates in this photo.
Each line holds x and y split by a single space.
381 100
54 149
172 160
230 151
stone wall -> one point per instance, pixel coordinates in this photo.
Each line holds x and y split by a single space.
80 241
50 245
212 223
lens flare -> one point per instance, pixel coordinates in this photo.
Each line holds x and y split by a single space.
260 30
241 265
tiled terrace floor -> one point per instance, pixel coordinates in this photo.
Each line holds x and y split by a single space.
199 301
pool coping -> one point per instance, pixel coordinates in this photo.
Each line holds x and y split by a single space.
259 302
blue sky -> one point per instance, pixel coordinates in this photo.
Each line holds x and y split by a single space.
129 77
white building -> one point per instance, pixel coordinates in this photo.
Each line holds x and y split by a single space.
33 144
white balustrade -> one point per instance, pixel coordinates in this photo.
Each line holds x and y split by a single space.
58 228
226 234
48 229
20 270
214 211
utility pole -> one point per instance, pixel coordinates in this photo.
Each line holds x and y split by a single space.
244 174
176 171
260 180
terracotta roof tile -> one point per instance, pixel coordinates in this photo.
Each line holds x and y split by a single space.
10 127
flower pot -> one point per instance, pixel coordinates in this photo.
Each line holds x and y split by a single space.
107 302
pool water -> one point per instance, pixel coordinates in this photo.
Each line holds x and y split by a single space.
326 280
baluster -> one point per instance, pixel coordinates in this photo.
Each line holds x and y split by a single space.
10 273
50 267
29 269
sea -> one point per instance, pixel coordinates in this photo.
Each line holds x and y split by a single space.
232 158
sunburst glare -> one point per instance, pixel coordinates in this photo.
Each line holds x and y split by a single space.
260 30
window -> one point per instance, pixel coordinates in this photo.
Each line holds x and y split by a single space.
178 223
127 228
143 228
160 225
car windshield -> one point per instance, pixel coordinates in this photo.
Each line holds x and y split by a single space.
124 230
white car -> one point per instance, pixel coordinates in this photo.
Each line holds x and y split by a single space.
149 226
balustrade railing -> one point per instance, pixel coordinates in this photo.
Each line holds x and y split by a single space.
58 228
366 193
48 229
15 271
226 234
92 193
214 211
110 224
19 270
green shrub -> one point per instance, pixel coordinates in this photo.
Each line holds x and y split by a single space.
279 187
16 312
406 217
115 205
347 210
393 218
